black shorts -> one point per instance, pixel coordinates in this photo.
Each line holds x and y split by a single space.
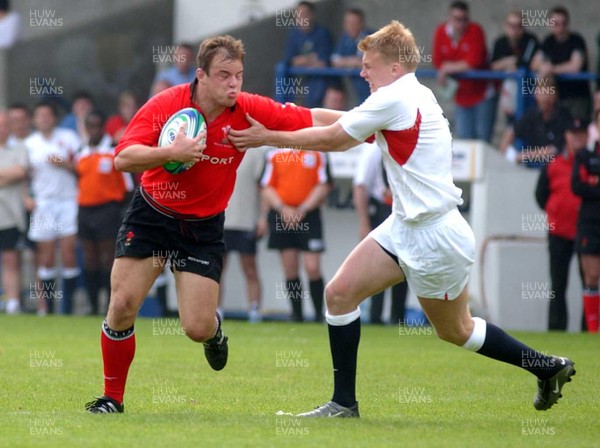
588 238
9 238
189 245
306 235
241 241
100 222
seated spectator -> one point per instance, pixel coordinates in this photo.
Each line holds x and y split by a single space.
309 45
82 104
101 194
181 72
347 54
514 49
10 25
564 52
116 124
553 194
459 46
541 129
13 172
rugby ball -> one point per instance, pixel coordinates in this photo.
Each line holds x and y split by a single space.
194 124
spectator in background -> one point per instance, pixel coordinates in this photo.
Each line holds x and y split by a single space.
245 224
373 204
101 195
542 128
10 25
13 171
82 104
182 71
553 194
565 52
513 50
295 184
54 219
585 183
309 45
458 46
116 124
347 54
19 119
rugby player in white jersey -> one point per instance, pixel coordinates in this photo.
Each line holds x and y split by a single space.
425 241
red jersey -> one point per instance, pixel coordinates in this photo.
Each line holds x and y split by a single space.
470 48
204 189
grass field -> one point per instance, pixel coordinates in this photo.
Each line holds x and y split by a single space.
414 390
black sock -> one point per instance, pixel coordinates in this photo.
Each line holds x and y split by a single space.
295 293
398 313
316 293
92 284
503 347
69 287
48 294
376 309
343 342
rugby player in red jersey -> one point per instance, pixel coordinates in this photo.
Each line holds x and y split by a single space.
178 218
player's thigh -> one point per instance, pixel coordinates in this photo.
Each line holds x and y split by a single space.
450 318
131 279
366 271
197 298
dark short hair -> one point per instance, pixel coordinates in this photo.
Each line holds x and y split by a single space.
47 104
358 12
310 5
97 114
4 5
562 11
82 95
21 106
458 4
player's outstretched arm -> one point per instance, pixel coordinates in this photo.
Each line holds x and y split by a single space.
325 117
136 158
321 138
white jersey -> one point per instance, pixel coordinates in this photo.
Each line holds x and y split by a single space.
369 172
414 136
49 182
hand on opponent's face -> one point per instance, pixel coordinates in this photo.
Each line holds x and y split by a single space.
251 137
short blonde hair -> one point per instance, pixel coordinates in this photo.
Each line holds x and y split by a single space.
233 49
394 42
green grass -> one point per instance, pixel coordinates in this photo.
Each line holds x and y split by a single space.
414 390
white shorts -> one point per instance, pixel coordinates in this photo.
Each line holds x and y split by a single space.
436 256
51 220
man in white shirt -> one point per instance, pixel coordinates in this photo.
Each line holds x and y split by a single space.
54 218
425 241
10 25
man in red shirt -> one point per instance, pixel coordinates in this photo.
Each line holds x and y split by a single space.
177 219
458 46
553 193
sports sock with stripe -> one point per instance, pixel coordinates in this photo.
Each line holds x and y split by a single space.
591 308
118 350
